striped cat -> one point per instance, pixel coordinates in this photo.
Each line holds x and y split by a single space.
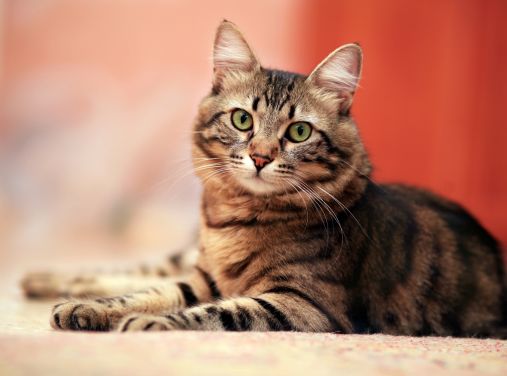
294 235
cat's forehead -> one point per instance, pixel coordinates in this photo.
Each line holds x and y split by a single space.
271 94
279 87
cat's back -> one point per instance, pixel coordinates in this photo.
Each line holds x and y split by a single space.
437 217
456 262
456 218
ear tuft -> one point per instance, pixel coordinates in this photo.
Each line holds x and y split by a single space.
231 51
339 73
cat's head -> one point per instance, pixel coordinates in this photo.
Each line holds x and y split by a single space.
266 132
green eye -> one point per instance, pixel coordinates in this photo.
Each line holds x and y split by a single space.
299 132
242 120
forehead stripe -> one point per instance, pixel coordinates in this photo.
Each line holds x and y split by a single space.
292 111
266 98
287 98
255 103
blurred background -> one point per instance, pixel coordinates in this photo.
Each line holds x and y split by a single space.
97 99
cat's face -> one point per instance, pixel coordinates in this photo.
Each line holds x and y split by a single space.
269 131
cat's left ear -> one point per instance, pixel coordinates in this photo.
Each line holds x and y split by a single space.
339 73
231 53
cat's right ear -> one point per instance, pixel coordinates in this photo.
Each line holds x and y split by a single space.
231 53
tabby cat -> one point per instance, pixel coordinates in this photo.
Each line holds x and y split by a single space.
294 234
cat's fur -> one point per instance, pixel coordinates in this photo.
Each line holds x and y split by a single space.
308 242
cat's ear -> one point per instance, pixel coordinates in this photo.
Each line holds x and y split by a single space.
231 52
339 73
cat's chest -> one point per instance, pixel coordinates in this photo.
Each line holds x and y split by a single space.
234 256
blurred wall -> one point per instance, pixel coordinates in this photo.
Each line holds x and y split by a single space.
98 97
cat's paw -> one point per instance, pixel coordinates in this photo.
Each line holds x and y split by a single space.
80 316
148 323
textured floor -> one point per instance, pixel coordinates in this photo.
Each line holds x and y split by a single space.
29 347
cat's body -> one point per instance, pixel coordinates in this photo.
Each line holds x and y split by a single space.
403 262
294 234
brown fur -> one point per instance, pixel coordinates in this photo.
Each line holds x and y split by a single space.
310 243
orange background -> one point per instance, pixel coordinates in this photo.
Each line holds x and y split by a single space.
432 106
98 98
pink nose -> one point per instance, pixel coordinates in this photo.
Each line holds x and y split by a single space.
260 160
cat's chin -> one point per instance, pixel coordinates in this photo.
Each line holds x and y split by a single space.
258 185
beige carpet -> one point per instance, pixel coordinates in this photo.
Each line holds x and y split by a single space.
29 347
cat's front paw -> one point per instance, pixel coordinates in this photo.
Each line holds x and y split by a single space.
147 323
80 316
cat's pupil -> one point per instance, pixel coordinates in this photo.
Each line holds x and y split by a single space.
300 130
243 118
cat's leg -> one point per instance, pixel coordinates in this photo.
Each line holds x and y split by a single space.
79 285
103 314
86 285
289 310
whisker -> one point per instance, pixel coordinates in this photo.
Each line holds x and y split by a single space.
315 203
302 199
361 174
189 172
347 210
330 211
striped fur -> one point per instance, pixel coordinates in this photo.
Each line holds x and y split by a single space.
309 242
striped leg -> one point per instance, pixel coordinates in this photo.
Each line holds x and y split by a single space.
103 314
287 310
78 285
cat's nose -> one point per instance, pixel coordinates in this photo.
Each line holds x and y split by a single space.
260 160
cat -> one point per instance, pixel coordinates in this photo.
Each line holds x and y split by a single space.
294 234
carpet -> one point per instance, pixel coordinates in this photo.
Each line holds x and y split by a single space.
29 347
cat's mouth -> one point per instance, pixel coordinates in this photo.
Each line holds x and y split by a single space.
256 183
